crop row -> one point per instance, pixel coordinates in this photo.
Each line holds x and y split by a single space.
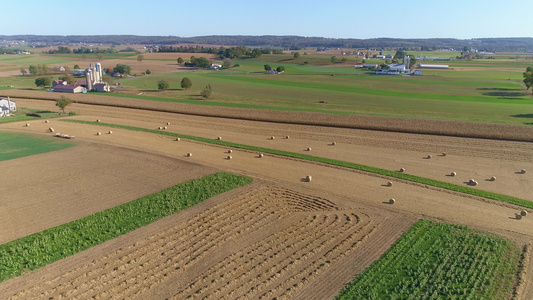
440 261
329 161
39 249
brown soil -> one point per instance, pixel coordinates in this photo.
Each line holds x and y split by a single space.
280 237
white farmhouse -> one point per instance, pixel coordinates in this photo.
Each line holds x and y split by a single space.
7 106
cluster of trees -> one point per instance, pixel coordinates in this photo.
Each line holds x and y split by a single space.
200 62
122 69
43 82
231 52
37 70
278 69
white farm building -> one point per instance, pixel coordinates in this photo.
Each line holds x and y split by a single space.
427 66
6 107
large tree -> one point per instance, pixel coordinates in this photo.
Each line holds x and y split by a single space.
528 78
140 58
207 91
333 59
23 71
162 85
202 62
267 68
68 78
63 102
186 83
179 60
43 81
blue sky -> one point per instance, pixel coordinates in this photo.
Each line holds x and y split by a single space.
339 19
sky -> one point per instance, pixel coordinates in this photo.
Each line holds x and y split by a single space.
464 19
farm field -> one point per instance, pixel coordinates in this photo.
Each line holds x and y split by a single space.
486 90
333 195
282 236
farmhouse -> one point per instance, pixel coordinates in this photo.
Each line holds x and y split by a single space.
396 69
8 103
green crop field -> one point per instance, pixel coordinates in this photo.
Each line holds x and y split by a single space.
40 249
15 145
20 115
440 261
482 96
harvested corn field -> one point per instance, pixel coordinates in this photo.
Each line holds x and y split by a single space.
269 242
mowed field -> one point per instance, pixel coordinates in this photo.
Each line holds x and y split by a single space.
280 237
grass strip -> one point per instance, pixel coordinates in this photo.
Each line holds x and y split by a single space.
440 261
16 145
329 161
39 249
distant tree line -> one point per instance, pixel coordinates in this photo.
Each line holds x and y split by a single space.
231 52
285 42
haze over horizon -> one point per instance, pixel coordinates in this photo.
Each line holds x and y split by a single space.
389 19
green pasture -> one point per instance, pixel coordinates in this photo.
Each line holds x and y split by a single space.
45 247
482 96
20 115
440 261
27 60
15 145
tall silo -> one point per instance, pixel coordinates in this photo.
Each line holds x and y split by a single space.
89 78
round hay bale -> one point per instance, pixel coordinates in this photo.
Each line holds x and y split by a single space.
518 216
334 143
46 121
165 127
453 174
98 133
159 127
308 178
471 181
51 129
474 183
168 123
98 120
110 132
308 149
443 153
523 171
287 137
261 155
392 201
229 157
189 154
389 183
493 178
219 138
230 151
402 170
177 139
523 213
429 156
272 137
27 125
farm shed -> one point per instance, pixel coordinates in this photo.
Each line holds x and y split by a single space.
69 88
59 69
102 87
370 66
426 66
4 111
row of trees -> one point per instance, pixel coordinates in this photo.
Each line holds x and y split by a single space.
528 78
278 69
186 83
